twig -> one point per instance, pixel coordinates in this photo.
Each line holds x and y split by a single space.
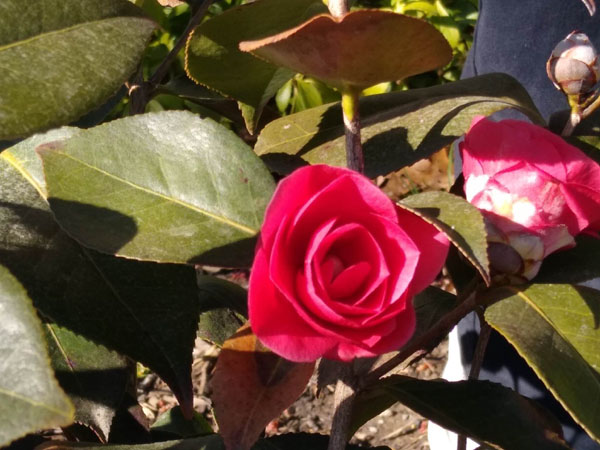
482 342
573 121
343 401
467 302
163 68
141 91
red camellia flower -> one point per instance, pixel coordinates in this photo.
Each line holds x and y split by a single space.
336 267
537 191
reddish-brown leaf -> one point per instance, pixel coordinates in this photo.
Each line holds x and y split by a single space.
251 386
361 49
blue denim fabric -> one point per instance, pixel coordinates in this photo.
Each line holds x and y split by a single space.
517 37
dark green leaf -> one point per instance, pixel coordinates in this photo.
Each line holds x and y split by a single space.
30 398
556 329
460 221
223 308
187 191
146 311
174 424
299 441
213 442
575 265
93 377
398 128
62 58
431 305
214 59
481 410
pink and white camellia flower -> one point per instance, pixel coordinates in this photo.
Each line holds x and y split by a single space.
537 191
336 267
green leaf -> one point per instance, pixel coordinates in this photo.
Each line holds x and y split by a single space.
146 311
482 410
93 377
223 306
431 305
296 441
30 398
460 221
398 128
371 46
555 328
172 423
213 58
187 191
575 265
64 58
212 442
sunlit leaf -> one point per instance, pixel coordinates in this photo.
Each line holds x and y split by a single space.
167 187
30 398
460 221
556 329
62 58
398 128
360 49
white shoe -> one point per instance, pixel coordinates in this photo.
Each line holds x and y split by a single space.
440 438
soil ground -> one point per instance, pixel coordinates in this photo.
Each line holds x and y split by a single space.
398 427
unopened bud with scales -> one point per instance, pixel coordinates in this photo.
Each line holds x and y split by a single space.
574 67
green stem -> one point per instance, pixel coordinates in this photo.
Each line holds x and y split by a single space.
354 152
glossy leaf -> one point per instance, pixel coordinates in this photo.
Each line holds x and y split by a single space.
555 328
398 128
30 398
252 386
460 221
64 58
213 59
146 311
359 50
93 377
187 191
296 441
482 410
575 265
223 308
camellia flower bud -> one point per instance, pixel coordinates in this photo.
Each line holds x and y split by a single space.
573 66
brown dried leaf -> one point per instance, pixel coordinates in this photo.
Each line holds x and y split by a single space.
251 386
361 49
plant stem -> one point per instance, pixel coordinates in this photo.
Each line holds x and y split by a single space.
354 152
467 302
140 91
343 402
338 8
573 121
482 342
589 109
163 68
